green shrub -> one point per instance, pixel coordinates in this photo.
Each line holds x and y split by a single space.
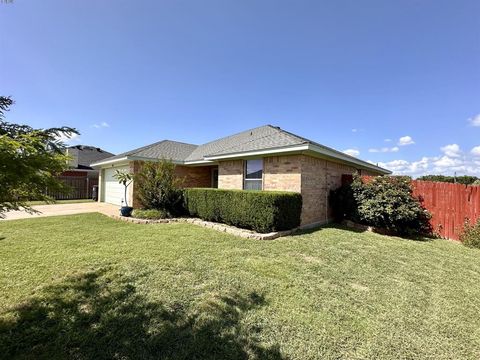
151 214
262 211
157 187
385 202
471 235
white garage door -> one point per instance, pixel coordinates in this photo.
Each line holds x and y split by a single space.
114 192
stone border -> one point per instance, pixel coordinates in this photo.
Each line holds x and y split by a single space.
244 233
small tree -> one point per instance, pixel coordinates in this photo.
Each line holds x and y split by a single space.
124 178
30 161
157 187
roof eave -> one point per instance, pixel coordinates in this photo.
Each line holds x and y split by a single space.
99 164
129 158
143 158
278 150
198 162
335 154
302 148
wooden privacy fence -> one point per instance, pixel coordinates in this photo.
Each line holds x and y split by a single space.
449 204
81 188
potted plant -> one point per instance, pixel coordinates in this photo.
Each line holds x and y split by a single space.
125 179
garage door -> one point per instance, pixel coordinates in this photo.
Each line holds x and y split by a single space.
114 192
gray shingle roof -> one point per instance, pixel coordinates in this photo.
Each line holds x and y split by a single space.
167 149
260 138
90 154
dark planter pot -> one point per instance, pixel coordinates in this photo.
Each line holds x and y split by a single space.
126 211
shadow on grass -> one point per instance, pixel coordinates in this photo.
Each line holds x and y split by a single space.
326 226
360 230
100 315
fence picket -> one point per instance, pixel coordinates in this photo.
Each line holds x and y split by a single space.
450 205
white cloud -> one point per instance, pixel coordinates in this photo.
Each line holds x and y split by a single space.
395 165
384 149
354 130
419 165
475 151
444 165
352 152
405 140
452 150
101 125
74 138
387 140
475 121
445 162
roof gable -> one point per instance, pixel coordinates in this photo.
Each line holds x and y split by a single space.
167 149
260 138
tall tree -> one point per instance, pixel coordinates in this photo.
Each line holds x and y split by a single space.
30 160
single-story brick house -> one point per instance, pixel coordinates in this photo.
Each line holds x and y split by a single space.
264 158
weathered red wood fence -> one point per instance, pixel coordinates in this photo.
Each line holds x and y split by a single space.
450 205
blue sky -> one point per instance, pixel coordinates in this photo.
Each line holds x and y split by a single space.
354 75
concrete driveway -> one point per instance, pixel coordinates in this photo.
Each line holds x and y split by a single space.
64 209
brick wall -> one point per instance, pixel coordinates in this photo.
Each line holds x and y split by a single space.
230 174
319 176
195 176
282 173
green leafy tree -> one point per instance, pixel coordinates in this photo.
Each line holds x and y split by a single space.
157 187
465 179
30 160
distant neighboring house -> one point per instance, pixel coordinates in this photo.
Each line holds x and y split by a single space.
81 156
80 176
265 158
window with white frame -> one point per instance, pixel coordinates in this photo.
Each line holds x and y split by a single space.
253 174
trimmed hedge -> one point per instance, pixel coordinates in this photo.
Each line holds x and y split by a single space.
262 211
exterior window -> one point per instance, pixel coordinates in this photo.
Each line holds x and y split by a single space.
253 174
215 178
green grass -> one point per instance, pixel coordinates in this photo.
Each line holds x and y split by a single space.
89 287
74 201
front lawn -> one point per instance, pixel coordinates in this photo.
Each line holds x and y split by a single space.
89 287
